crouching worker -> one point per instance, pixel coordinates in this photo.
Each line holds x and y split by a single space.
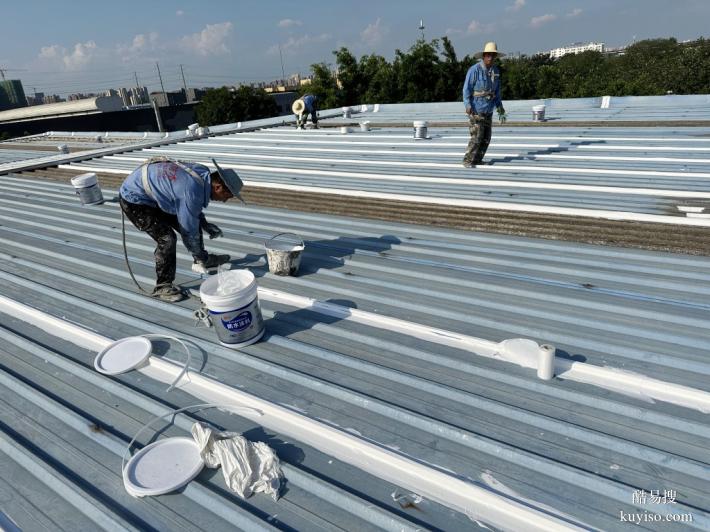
304 106
163 197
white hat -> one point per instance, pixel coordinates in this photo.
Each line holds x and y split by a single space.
231 180
298 107
490 48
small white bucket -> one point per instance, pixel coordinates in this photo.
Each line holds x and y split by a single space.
284 257
420 129
364 126
344 130
88 189
201 131
346 112
236 314
63 148
538 113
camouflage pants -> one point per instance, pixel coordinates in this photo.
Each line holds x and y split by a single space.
162 227
480 128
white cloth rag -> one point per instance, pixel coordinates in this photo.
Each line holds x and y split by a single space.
248 467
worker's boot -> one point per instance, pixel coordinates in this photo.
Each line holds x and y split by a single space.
210 265
168 293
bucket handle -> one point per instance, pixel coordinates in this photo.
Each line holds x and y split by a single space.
282 234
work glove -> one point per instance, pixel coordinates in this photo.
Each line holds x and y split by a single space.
502 117
210 263
212 230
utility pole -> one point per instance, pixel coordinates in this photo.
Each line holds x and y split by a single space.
183 80
135 74
283 73
421 27
162 88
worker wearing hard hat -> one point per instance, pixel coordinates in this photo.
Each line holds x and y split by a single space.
481 95
164 196
305 105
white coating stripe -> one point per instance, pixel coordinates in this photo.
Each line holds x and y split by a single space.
412 144
448 490
603 377
644 148
469 182
273 132
490 154
481 204
498 167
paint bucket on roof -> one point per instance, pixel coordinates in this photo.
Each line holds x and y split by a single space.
346 112
345 130
201 131
284 256
233 307
365 126
87 188
420 129
63 148
538 113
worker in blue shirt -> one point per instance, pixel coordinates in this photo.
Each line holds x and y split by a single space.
309 106
481 95
164 196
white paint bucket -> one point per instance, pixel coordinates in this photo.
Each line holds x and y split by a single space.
203 131
365 126
63 148
344 130
236 315
420 129
346 112
88 189
538 113
284 256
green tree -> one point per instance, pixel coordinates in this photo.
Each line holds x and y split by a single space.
224 106
324 86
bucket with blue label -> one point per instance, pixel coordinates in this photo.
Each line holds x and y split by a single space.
233 304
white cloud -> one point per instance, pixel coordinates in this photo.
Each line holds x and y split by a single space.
537 22
70 60
288 23
476 27
517 6
139 47
574 13
294 44
179 12
374 33
210 41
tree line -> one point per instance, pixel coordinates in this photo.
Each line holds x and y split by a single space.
430 71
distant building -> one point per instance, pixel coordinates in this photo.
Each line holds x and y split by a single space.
55 98
577 48
12 95
36 99
166 99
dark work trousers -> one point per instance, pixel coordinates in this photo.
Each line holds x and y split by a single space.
304 117
480 128
162 227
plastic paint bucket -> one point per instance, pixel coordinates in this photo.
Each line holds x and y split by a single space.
420 129
284 258
538 113
365 126
346 112
236 316
88 189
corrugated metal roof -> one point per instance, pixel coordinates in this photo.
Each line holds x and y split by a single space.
577 448
635 174
601 109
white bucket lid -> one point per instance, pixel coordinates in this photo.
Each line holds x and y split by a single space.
123 355
346 109
420 123
538 108
84 180
345 129
243 280
193 127
163 466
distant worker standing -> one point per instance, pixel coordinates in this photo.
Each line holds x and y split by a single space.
164 196
305 105
481 95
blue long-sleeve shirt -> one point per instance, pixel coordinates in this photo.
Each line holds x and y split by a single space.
310 102
174 191
482 79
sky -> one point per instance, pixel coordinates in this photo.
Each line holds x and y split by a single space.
86 46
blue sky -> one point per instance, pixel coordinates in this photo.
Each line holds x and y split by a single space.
88 45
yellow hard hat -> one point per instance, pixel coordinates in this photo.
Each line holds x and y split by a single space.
298 107
489 48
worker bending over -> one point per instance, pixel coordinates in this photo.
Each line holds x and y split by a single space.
305 105
162 197
481 95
